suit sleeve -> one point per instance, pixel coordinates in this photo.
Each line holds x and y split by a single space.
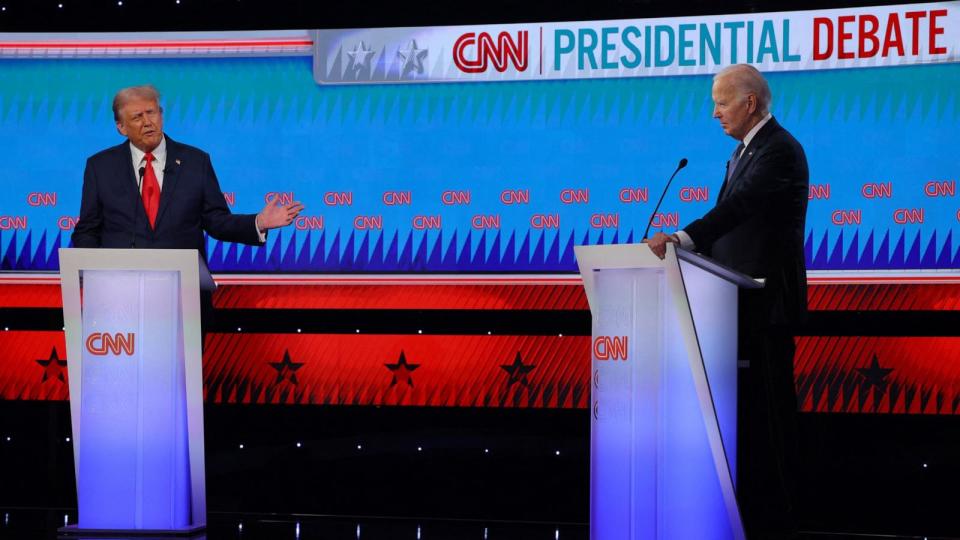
86 233
768 189
216 217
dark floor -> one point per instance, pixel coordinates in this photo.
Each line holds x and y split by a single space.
29 524
893 475
42 524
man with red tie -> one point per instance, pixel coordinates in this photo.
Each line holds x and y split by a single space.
153 192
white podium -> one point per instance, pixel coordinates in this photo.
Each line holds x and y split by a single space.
664 394
136 389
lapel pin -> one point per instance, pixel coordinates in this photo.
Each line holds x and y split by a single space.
178 161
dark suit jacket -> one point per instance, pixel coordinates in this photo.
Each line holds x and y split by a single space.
111 211
757 226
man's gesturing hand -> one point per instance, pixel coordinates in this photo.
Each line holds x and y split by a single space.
273 215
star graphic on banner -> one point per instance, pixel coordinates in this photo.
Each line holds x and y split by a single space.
875 375
518 371
287 369
402 371
359 58
412 58
53 367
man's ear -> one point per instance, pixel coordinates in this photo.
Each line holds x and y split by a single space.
121 130
752 103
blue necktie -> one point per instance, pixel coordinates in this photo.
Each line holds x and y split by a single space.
734 159
731 167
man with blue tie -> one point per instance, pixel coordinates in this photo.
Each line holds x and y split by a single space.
153 192
757 227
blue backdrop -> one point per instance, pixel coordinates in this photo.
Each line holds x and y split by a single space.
270 128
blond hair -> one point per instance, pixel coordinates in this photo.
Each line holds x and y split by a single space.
144 91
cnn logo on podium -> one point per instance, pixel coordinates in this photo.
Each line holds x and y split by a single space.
117 344
610 348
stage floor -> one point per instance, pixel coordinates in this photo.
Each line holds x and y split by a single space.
42 524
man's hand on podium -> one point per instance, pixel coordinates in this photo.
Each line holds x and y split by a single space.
273 215
658 244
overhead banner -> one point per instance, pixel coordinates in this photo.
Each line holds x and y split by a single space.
785 41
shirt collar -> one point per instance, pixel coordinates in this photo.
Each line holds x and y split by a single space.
159 153
751 133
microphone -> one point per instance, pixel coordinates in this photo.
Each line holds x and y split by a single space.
133 234
683 163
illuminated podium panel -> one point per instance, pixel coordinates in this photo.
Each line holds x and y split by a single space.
664 394
136 401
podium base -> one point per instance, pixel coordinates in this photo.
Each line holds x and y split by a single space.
76 533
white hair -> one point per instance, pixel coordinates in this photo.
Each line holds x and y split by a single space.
747 79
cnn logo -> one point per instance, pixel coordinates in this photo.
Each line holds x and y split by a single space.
610 348
102 343
472 52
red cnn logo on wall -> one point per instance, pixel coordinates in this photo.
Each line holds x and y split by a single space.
102 343
610 348
483 49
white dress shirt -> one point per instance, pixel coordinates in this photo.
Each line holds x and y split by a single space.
159 161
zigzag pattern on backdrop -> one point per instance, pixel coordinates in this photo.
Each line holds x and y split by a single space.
298 251
69 100
245 93
891 251
877 374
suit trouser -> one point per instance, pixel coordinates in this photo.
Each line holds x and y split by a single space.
206 317
768 456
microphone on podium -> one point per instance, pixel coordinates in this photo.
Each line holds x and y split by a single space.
682 164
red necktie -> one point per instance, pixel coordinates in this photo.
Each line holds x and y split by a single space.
151 191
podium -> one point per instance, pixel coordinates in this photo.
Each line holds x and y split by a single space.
663 426
136 389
